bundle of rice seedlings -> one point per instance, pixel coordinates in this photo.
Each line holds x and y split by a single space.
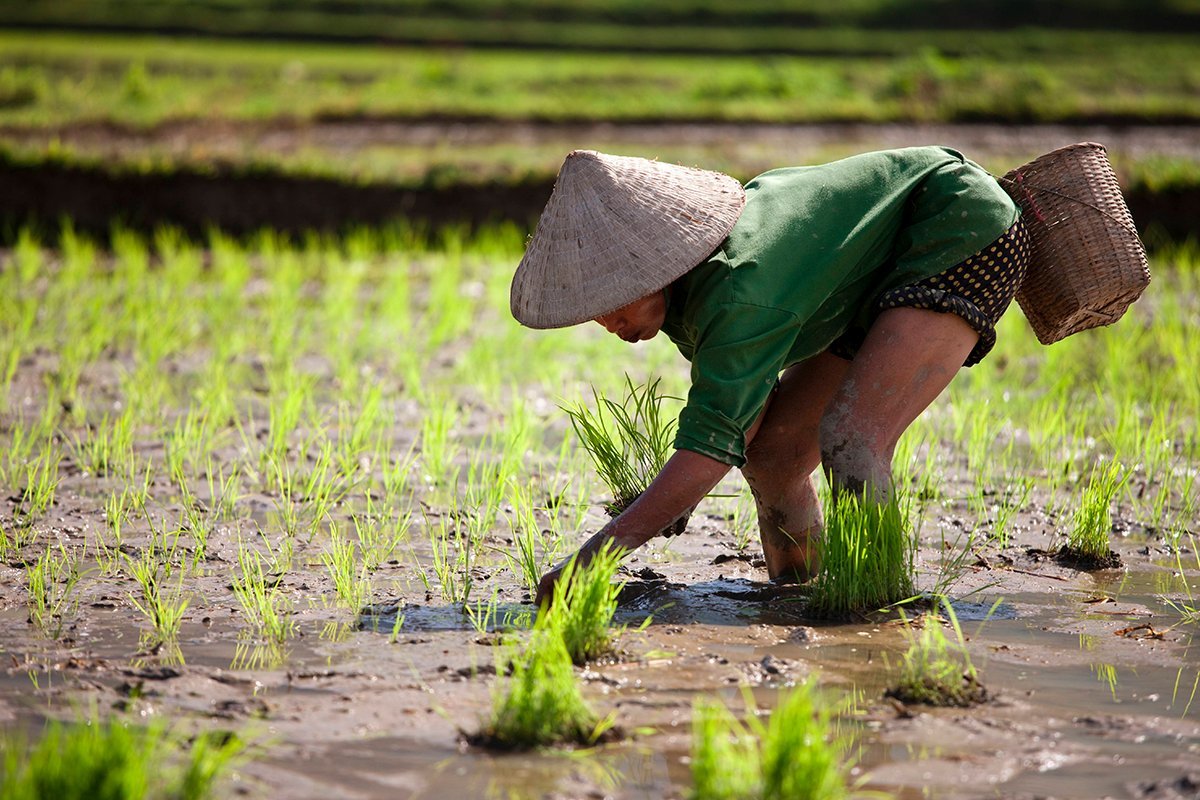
937 670
628 442
867 557
799 752
1087 544
585 599
540 703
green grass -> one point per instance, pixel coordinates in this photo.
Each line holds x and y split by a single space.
867 557
799 752
936 669
113 760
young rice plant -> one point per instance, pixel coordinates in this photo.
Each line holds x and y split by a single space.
937 669
798 753
867 557
628 441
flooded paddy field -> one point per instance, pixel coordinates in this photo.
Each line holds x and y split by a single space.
276 487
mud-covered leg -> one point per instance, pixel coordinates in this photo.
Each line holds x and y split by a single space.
909 356
783 453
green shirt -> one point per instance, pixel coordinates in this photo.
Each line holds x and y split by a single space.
811 250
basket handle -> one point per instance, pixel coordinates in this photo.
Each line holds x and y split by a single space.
1019 181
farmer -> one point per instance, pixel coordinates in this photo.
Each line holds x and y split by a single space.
822 309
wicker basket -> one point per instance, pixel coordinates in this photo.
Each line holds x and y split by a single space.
1087 264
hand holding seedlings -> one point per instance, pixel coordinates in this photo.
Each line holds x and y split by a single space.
822 310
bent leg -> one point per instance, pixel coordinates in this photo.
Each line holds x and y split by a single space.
909 356
783 452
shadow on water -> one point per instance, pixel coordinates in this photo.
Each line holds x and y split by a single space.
724 601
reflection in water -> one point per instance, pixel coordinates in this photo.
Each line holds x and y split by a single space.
336 630
582 766
157 651
251 654
1107 673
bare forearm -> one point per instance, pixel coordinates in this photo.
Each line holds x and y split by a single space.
683 482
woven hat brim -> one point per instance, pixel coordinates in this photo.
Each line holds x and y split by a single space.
617 229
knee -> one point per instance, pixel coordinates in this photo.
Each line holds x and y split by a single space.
851 458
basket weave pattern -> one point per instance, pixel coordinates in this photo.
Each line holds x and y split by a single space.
1087 264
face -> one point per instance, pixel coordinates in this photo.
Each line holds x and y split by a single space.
638 321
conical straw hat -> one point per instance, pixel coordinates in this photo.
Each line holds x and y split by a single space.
615 230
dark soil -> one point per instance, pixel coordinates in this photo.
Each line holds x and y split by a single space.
1077 559
244 199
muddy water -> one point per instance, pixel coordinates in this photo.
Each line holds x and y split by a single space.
1095 683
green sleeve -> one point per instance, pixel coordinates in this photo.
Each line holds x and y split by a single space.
738 356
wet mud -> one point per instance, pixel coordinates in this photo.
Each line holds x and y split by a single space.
1092 686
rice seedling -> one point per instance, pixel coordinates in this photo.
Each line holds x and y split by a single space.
94 451
483 494
867 557
162 601
396 472
529 555
264 605
184 444
1188 609
224 490
540 703
322 490
41 479
799 752
1087 541
1015 499
439 446
51 582
362 425
455 552
585 599
937 669
113 760
290 396
351 583
380 534
628 441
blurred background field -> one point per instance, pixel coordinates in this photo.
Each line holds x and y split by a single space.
109 105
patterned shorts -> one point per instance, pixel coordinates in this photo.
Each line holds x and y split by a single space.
978 290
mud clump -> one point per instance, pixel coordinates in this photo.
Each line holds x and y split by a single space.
930 691
1075 558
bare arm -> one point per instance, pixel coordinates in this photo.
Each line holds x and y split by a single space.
683 482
